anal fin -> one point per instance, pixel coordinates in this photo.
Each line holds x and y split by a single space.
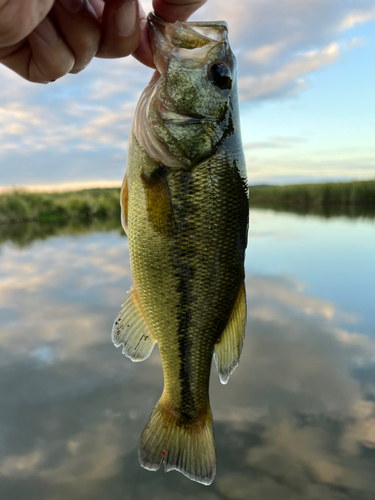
229 346
131 330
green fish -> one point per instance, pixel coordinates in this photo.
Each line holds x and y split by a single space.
185 210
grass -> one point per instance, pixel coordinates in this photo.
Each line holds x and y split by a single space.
325 198
82 206
90 205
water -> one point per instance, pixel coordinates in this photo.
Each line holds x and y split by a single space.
296 420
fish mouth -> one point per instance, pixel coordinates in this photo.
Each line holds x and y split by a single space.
158 41
195 34
170 117
166 37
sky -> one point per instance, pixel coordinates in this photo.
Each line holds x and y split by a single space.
307 101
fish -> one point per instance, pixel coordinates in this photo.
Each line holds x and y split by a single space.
184 207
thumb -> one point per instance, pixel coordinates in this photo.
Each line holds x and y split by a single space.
120 28
176 10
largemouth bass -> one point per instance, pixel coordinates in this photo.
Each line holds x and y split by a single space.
185 211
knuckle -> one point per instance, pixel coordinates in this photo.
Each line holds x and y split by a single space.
89 42
11 29
117 50
52 70
18 19
77 68
87 52
58 71
84 50
38 80
83 58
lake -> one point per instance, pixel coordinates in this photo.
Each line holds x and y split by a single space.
296 420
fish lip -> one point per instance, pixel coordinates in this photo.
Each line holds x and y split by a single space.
188 120
154 19
170 117
160 46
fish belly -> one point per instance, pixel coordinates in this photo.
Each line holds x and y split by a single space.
187 237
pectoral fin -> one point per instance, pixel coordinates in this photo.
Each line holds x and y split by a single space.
131 330
159 202
228 348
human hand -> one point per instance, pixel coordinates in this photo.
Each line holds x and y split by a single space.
43 40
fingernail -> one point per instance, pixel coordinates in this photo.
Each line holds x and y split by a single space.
126 17
47 31
72 5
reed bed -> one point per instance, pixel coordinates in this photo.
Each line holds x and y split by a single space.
323 198
89 205
85 206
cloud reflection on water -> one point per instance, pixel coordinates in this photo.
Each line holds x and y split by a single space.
295 421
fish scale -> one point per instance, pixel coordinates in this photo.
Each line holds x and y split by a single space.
187 228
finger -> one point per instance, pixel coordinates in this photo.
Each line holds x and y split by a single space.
80 28
13 48
176 10
44 58
19 18
144 52
120 28
98 6
170 11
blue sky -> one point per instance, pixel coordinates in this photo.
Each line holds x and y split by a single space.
306 78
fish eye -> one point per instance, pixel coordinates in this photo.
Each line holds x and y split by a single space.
220 75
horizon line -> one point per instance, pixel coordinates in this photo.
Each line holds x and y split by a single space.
60 187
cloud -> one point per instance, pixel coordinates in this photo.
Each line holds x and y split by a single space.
265 53
278 44
353 43
294 422
324 165
51 271
17 123
100 449
297 454
294 357
85 127
274 143
357 16
287 294
287 80
310 415
44 130
21 466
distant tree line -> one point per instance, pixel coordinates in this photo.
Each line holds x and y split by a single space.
85 206
332 197
90 205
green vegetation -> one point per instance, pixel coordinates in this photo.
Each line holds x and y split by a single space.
76 212
81 206
346 198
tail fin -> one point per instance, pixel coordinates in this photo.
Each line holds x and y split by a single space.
187 448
